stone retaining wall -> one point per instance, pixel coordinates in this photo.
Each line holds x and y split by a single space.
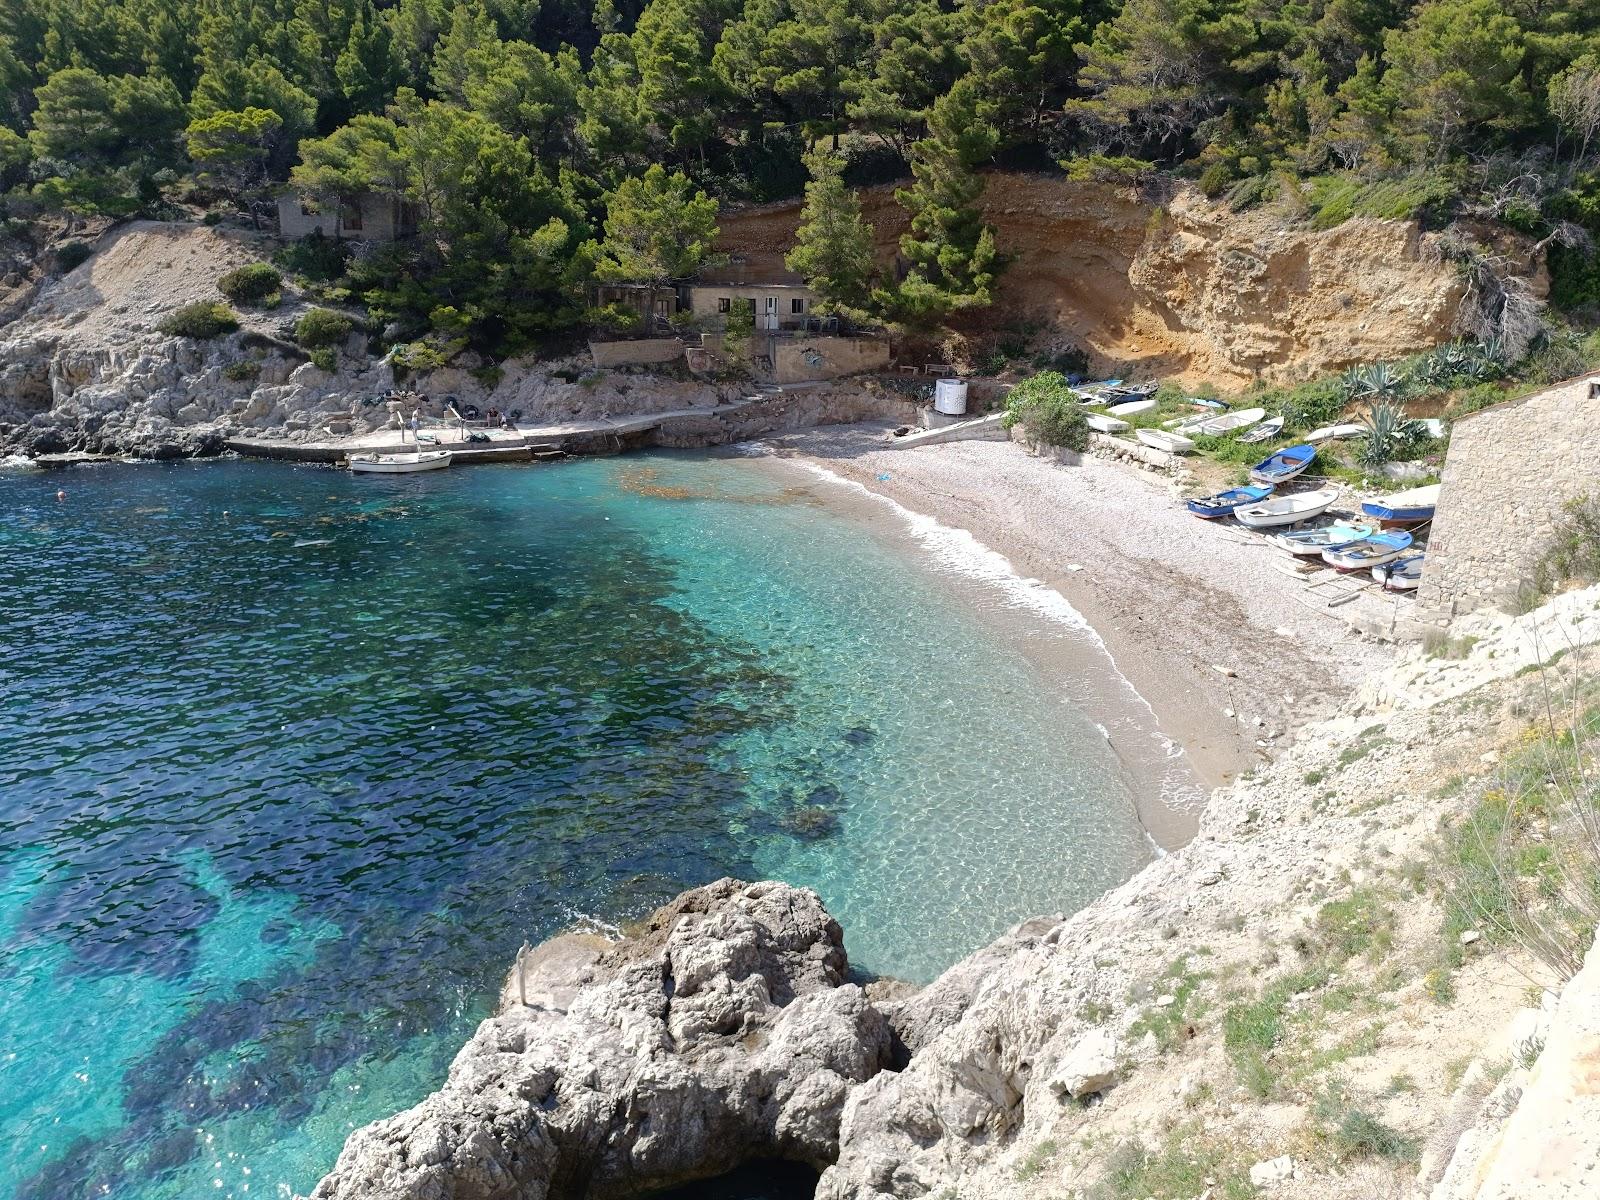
1510 470
638 352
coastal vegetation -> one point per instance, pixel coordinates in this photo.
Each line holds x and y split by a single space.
543 146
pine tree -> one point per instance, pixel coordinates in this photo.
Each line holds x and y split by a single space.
950 250
833 246
658 228
367 68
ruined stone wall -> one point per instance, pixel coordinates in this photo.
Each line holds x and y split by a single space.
1509 471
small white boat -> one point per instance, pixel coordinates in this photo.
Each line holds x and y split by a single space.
1287 510
1402 575
1160 439
1103 423
1309 542
399 464
1263 432
1374 551
1333 433
1132 408
1217 424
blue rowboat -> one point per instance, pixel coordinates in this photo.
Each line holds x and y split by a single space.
1402 508
1223 503
1283 465
1371 552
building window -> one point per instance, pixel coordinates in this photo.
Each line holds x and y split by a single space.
350 218
724 304
797 305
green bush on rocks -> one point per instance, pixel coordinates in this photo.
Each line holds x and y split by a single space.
252 283
322 328
202 319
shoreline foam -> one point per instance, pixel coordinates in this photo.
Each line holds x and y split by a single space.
1168 791
1210 638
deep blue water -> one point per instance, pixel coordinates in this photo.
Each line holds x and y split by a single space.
294 761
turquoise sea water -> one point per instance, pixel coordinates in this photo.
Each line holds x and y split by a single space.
294 761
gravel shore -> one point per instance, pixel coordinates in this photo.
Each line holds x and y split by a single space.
1223 646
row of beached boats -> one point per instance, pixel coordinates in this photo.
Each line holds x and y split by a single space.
1376 544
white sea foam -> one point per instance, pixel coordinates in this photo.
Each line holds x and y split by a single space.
17 462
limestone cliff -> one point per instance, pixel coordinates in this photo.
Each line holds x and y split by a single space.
85 367
1188 287
1274 1009
722 1032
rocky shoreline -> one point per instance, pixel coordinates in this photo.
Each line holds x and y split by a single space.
1074 1048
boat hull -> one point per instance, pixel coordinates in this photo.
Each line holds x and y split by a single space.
1222 504
399 464
1404 508
1287 510
1284 465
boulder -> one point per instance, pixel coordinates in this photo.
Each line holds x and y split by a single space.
723 1031
1090 1066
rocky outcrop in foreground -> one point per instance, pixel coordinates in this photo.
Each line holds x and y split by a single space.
722 1032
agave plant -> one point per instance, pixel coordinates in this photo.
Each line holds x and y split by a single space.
1350 383
1389 433
1381 382
1438 369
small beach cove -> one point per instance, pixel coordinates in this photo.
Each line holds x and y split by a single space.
309 757
1192 614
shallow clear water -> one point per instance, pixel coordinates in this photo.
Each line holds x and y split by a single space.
295 761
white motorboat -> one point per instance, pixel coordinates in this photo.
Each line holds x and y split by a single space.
1160 439
1401 575
1132 408
1287 510
399 464
1102 423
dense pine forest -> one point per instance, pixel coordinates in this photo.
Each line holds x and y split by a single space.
547 144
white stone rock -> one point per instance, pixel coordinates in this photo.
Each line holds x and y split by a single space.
1272 1172
1090 1066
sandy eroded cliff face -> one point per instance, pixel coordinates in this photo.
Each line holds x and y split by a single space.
1190 287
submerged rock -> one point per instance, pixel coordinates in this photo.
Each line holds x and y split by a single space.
811 821
720 1033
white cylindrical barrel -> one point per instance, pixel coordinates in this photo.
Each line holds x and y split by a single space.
950 396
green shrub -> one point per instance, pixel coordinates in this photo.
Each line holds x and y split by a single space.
1357 1133
1215 178
238 372
615 319
202 319
1574 550
211 218
1426 195
1253 190
325 359
250 284
317 258
1049 410
71 254
322 328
